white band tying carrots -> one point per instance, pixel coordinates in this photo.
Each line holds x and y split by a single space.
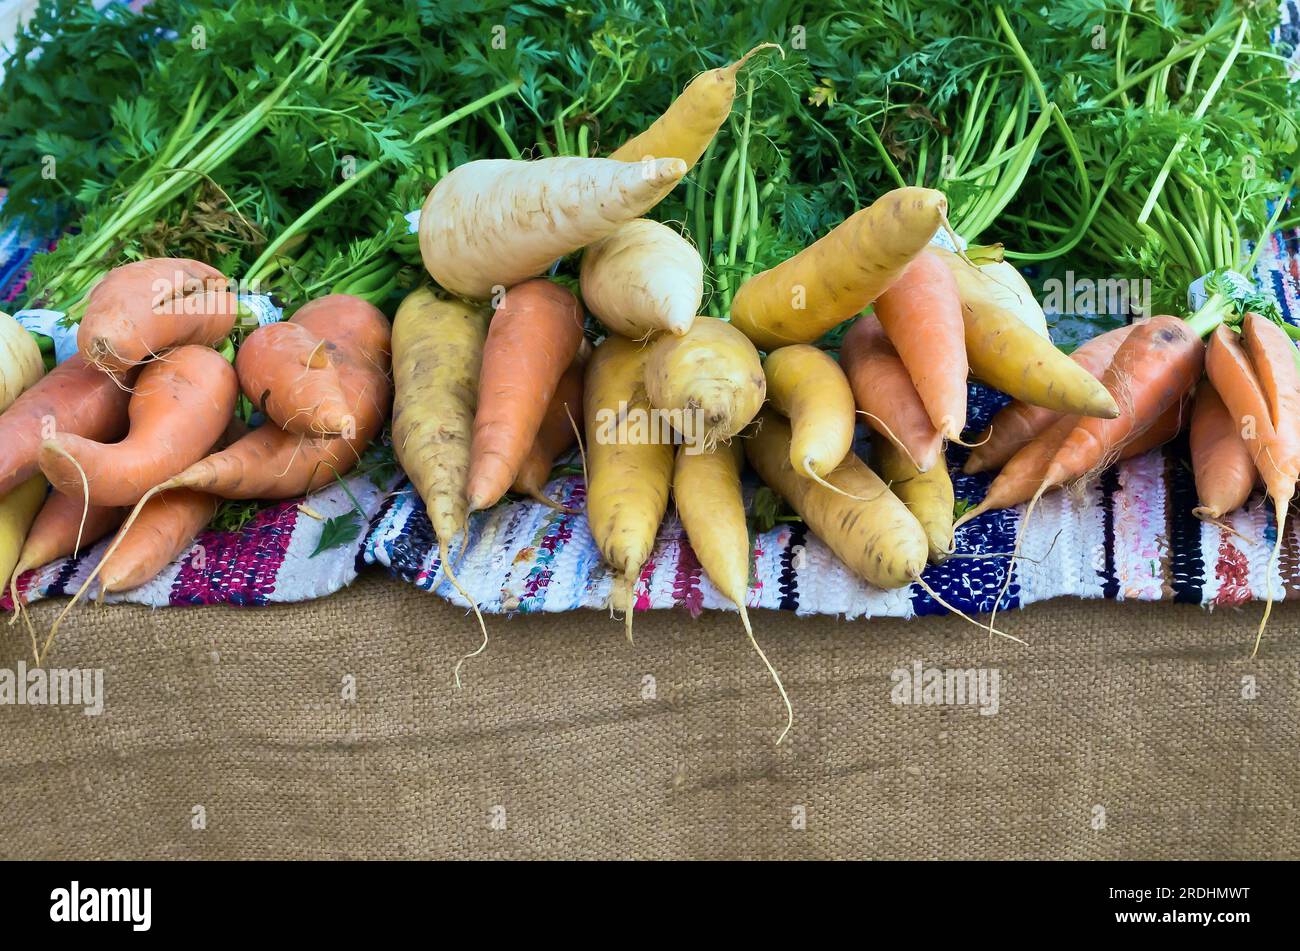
1197 293
262 307
49 323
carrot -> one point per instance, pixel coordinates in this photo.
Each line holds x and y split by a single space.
1153 369
885 393
1018 422
73 398
1010 356
642 279
706 485
629 468
532 338
808 387
1272 355
62 527
437 352
1022 475
493 223
711 376
921 316
873 533
929 495
557 434
1230 371
165 528
18 507
20 361
180 408
841 273
1221 460
1260 385
140 309
285 370
685 130
1000 283
269 463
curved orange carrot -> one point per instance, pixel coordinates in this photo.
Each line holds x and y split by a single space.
140 309
1221 460
180 408
1169 425
885 393
285 371
1153 369
73 398
533 337
554 437
1023 473
1019 422
921 316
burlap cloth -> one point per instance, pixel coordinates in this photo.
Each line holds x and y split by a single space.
583 746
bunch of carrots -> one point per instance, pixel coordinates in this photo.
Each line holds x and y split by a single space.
494 377
137 433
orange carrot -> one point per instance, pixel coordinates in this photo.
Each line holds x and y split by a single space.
1169 425
921 316
182 405
73 398
554 437
285 370
269 463
1022 475
1230 370
885 393
62 527
165 527
1221 461
533 337
1153 369
140 309
1018 422
1272 357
